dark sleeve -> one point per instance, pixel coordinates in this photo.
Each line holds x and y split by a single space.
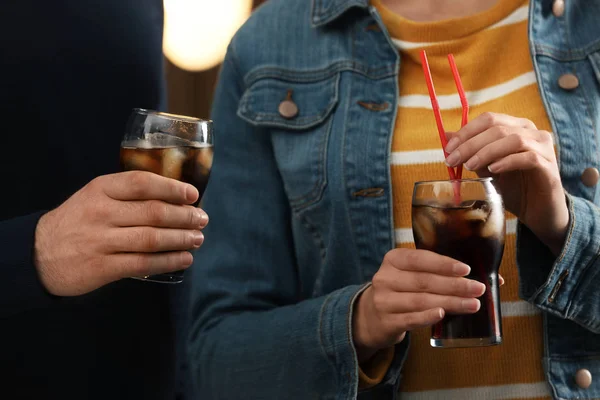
20 287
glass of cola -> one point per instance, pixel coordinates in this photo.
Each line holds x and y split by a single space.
173 146
464 219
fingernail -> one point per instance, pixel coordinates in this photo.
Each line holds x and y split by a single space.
476 288
453 159
470 305
441 313
186 259
203 218
472 163
191 193
452 144
461 269
492 168
198 239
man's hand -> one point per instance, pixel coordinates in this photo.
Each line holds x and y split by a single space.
121 225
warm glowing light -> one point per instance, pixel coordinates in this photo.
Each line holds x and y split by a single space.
197 32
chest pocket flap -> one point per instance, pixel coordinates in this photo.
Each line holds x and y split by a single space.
314 101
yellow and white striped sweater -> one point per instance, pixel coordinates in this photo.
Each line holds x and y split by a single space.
492 54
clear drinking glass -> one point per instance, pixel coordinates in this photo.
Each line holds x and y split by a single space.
174 146
464 219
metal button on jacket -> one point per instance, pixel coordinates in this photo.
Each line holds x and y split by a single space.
583 378
590 177
558 8
287 108
568 81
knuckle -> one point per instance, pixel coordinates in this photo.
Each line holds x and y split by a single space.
96 184
421 282
489 117
546 137
459 286
102 212
528 123
503 131
520 141
534 158
138 182
141 265
378 280
150 239
418 302
157 212
390 257
412 257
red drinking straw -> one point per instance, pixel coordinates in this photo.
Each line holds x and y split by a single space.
436 109
463 101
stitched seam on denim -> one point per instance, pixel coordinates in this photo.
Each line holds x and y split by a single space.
322 340
284 74
299 203
315 7
299 123
532 23
559 259
397 65
589 120
544 90
328 16
567 55
320 244
548 374
595 65
587 323
353 392
344 132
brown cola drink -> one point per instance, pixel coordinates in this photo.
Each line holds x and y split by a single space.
174 146
472 232
190 163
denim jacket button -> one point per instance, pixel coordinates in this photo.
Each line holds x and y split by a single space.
583 378
568 82
558 8
288 109
590 177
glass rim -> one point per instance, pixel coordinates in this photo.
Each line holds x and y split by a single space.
484 179
173 117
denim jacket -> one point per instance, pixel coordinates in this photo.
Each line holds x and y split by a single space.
301 208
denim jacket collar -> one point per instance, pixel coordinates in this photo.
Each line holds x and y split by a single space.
326 11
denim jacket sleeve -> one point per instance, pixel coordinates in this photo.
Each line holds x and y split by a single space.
252 335
567 286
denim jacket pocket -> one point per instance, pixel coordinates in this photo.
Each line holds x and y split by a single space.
299 136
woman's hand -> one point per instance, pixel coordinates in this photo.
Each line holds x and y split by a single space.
412 289
522 161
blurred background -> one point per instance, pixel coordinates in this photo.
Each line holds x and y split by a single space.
196 36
